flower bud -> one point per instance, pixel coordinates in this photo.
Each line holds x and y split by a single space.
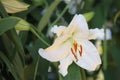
14 6
22 25
88 16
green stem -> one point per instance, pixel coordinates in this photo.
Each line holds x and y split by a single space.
34 30
105 51
62 13
36 68
83 76
116 17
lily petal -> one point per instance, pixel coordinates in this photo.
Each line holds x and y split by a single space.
90 59
64 64
96 33
78 25
55 52
58 30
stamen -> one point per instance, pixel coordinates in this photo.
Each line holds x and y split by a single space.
74 55
75 46
80 50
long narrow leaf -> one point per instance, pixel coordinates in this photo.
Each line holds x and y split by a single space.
16 40
9 65
18 66
45 19
7 23
9 49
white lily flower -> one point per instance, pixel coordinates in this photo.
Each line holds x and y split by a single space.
72 44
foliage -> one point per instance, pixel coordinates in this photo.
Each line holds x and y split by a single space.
24 31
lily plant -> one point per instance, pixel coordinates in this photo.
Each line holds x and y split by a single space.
72 44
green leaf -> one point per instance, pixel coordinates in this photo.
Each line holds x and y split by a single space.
40 65
17 42
112 73
29 71
23 36
7 23
38 2
8 45
10 66
99 17
18 66
88 5
74 73
114 50
45 19
88 16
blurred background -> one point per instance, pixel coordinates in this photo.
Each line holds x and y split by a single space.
25 27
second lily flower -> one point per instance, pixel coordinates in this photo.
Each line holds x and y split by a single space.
72 44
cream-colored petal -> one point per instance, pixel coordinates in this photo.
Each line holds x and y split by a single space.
58 30
55 52
77 25
96 33
64 64
90 59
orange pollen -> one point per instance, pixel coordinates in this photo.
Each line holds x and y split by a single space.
80 50
75 46
74 55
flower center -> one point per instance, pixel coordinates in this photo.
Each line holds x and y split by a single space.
76 48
